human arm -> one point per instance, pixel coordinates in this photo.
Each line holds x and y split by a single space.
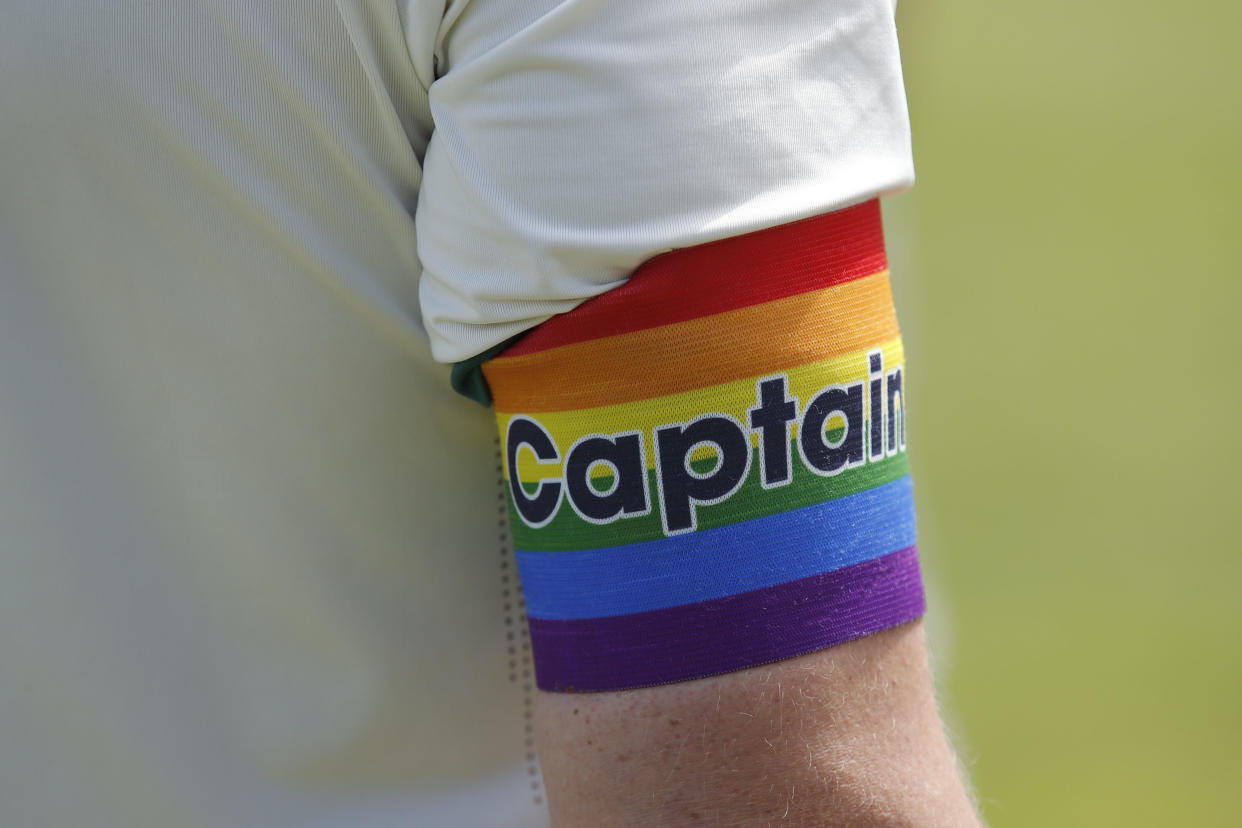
847 736
784 567
607 136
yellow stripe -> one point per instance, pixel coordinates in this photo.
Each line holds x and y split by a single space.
733 398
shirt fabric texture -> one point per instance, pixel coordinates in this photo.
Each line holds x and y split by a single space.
250 565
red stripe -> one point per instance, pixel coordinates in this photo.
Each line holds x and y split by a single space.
725 275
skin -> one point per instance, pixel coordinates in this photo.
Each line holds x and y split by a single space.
848 736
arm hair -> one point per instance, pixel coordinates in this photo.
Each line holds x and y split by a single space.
848 736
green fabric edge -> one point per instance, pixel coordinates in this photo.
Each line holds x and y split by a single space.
467 376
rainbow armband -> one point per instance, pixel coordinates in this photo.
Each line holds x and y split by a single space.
706 467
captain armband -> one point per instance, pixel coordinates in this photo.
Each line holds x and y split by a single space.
706 467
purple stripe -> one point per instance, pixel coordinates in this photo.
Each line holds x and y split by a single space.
731 633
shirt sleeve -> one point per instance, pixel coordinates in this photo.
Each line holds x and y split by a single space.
576 139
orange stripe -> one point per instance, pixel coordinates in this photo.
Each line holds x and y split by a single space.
699 353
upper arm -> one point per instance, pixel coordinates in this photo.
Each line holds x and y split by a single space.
711 510
574 142
848 736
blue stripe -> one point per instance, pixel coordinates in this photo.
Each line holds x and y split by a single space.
714 563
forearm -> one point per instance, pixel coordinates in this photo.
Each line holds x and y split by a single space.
846 736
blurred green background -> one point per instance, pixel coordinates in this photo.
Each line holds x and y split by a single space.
1068 278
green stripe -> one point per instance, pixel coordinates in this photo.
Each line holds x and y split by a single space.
568 532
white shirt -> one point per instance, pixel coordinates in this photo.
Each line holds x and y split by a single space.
250 557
